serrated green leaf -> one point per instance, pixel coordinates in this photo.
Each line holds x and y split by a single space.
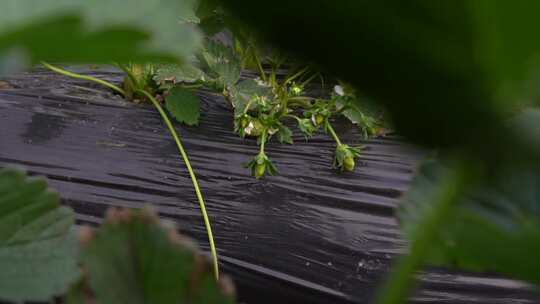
183 105
364 121
284 135
220 63
37 244
306 127
506 48
354 115
493 227
134 259
244 91
174 73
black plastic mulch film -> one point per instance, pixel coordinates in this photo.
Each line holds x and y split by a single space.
308 235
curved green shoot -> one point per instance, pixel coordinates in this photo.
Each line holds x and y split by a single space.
333 133
294 76
84 77
192 175
263 140
259 64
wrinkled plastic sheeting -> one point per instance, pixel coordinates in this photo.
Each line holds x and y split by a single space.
307 235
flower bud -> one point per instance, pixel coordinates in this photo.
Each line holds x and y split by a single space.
317 119
339 90
295 90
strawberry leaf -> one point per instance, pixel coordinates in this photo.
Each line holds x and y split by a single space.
133 258
244 91
37 243
284 135
183 105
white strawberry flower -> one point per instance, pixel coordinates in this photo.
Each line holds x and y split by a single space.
249 128
339 90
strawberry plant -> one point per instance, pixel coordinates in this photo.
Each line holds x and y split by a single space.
262 106
265 106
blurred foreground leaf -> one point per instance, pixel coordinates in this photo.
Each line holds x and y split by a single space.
99 31
37 246
133 259
493 227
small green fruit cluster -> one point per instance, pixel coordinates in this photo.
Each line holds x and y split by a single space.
345 157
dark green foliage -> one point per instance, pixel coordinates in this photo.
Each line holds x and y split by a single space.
220 64
440 68
494 226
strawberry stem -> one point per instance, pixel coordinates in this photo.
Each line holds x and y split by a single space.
193 178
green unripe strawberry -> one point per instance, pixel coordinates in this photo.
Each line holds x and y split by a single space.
317 119
348 163
345 157
259 170
261 165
